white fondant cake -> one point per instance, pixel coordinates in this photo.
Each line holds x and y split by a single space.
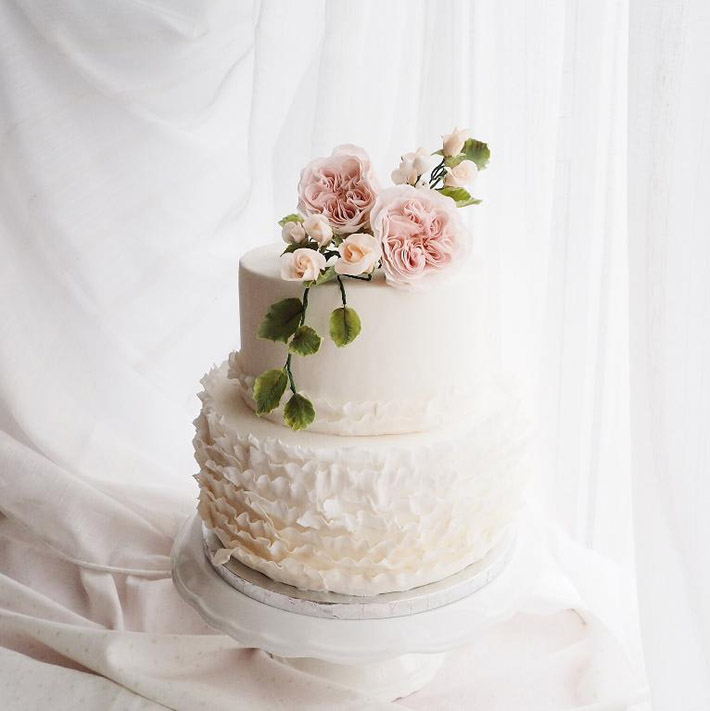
408 473
416 364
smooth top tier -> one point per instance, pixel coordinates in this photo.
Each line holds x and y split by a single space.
418 362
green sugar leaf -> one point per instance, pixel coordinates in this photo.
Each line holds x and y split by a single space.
478 152
268 389
299 412
460 196
295 217
281 320
305 341
470 201
455 194
328 275
344 326
306 244
452 161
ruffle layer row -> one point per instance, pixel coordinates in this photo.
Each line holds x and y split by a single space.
353 519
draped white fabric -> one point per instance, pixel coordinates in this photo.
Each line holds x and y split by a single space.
146 145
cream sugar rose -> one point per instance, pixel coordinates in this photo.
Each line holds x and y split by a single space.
366 330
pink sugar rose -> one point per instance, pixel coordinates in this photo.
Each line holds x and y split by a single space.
420 232
341 187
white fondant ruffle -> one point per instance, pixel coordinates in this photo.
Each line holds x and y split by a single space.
350 515
375 417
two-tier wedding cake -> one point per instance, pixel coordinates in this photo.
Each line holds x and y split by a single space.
359 442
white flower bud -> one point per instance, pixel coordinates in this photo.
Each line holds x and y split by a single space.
318 229
461 175
424 161
302 264
412 166
359 254
453 142
293 232
404 174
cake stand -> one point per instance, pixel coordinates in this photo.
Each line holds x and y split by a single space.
385 651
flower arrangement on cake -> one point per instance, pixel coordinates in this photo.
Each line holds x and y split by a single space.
347 226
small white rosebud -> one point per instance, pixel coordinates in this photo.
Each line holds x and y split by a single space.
412 166
453 142
318 229
405 174
303 264
423 161
293 232
461 175
359 254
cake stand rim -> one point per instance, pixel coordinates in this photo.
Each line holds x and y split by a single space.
289 634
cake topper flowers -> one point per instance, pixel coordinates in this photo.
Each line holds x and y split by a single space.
346 227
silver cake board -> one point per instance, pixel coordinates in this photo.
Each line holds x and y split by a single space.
263 589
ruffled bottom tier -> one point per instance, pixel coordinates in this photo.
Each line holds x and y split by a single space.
354 515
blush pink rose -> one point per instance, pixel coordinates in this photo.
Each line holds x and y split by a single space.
420 232
341 187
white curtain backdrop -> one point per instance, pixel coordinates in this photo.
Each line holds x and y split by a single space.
669 254
145 145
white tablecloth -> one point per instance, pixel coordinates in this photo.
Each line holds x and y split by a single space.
77 634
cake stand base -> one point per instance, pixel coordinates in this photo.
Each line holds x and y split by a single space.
384 658
384 680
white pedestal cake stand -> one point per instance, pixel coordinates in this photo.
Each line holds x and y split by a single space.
380 655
